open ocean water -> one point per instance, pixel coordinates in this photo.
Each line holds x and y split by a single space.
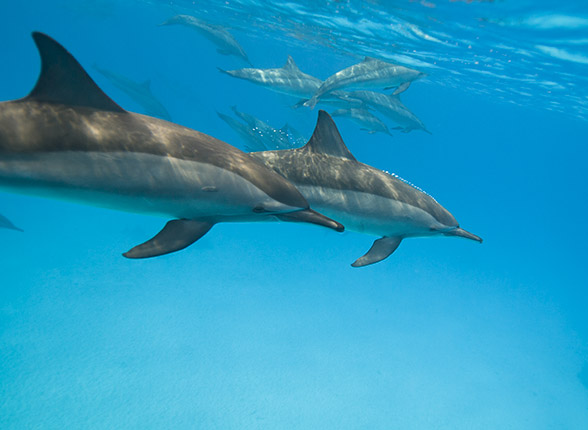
266 325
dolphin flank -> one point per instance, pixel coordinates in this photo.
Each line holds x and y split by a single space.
370 73
362 197
68 140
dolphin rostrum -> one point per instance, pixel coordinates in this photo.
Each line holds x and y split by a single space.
362 197
370 73
225 42
68 140
140 92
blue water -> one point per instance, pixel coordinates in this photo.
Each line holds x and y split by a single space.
266 325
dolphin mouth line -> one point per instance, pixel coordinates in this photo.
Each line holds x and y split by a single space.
460 232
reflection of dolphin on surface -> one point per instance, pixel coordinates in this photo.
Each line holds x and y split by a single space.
225 42
363 198
364 118
391 107
68 140
370 73
139 92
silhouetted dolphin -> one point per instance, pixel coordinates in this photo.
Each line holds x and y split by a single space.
69 140
366 120
225 42
140 92
391 107
370 73
362 197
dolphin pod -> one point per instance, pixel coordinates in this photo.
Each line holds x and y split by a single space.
363 198
68 140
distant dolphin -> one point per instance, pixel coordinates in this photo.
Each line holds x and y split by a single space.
252 140
363 198
225 42
366 120
139 92
391 107
68 140
288 79
370 73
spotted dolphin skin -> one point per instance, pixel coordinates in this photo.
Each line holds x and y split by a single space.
370 73
225 42
68 140
361 197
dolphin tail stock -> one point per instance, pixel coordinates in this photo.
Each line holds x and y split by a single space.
176 235
6 223
380 250
313 217
460 232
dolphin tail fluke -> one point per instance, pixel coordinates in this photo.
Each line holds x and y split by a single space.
380 250
311 103
6 223
460 232
313 217
177 234
401 88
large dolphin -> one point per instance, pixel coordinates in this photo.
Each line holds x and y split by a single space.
370 73
140 92
364 118
391 107
362 197
225 42
69 140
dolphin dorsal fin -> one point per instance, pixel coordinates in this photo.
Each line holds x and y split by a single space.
367 59
290 64
64 81
326 138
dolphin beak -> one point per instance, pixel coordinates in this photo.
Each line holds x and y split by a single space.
313 217
460 232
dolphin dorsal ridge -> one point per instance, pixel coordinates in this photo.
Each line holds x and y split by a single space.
64 81
326 138
290 64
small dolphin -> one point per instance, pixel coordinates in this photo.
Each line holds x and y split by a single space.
258 135
362 197
391 107
288 79
370 73
68 140
225 42
366 120
139 92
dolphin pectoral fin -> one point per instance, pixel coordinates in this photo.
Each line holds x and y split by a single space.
177 234
401 88
381 249
313 217
6 223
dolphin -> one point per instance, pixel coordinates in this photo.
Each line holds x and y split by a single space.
366 120
370 73
68 140
391 107
252 140
288 79
140 92
225 42
273 138
363 198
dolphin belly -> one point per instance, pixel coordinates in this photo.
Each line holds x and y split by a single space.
371 214
137 182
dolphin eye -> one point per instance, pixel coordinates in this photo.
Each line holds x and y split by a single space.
259 209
